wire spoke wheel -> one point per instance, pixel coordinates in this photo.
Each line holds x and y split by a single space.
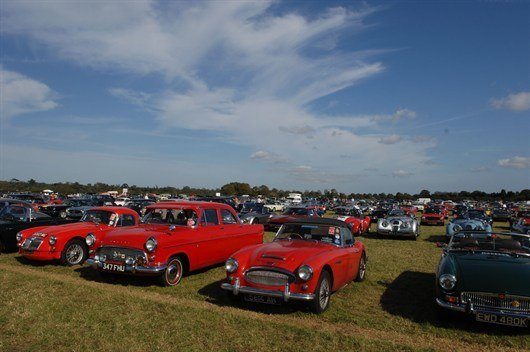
324 294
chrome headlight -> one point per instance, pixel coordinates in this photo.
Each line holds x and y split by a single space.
231 265
90 239
457 228
384 223
447 281
150 244
405 225
52 240
305 272
19 236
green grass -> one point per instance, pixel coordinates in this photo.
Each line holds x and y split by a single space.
49 307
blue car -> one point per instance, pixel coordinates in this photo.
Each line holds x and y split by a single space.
457 225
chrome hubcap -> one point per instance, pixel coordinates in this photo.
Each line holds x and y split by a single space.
324 294
74 254
362 268
173 272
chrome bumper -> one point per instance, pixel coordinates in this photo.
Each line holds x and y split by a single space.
285 295
133 269
470 309
396 233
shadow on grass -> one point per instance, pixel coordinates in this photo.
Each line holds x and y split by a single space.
437 238
22 260
88 273
412 296
214 294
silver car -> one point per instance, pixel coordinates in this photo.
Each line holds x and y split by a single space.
398 223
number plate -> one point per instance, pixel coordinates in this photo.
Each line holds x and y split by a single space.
262 299
114 267
502 319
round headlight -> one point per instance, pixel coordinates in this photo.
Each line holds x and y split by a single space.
384 223
231 265
19 236
150 244
405 225
447 281
457 228
52 240
90 239
305 272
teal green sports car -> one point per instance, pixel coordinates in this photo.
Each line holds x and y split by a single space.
486 275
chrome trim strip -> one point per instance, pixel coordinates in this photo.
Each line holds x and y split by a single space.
133 269
286 295
472 310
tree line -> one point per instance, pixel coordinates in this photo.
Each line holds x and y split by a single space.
241 188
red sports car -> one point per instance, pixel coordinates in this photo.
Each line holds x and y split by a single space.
67 242
357 222
290 214
307 261
433 216
173 239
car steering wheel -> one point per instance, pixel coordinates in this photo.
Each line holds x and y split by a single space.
295 235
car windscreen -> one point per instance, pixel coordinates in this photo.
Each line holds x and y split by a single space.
174 216
432 211
310 232
512 243
100 217
295 211
17 212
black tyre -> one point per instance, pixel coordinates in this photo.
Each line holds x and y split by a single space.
75 252
322 293
361 273
255 221
173 273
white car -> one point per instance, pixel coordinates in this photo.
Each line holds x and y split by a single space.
121 201
274 206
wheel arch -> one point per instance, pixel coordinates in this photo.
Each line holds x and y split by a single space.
184 258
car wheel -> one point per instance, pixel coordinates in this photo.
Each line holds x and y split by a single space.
74 253
173 273
361 273
322 293
254 221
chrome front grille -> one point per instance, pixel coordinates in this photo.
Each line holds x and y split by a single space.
267 277
120 254
32 244
496 301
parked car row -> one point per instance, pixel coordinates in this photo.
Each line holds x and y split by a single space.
481 273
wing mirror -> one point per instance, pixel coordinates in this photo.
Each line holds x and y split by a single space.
172 227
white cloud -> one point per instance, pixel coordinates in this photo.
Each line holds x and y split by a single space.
269 157
258 90
401 173
479 169
392 139
515 102
517 162
22 95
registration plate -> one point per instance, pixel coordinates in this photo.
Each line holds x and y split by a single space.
262 299
113 267
502 319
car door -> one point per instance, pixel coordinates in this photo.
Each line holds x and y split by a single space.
212 238
232 234
351 254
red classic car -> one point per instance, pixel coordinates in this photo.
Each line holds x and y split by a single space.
357 222
173 239
433 216
307 261
409 209
291 213
67 242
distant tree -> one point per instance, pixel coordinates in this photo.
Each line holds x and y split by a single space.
425 193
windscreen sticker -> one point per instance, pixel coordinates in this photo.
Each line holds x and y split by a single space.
331 230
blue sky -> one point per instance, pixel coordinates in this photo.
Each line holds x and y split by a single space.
357 96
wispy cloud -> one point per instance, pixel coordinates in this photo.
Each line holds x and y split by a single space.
22 95
392 139
515 102
401 173
269 157
479 169
516 162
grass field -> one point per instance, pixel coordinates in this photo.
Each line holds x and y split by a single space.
54 308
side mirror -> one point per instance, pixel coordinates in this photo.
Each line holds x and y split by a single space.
172 227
